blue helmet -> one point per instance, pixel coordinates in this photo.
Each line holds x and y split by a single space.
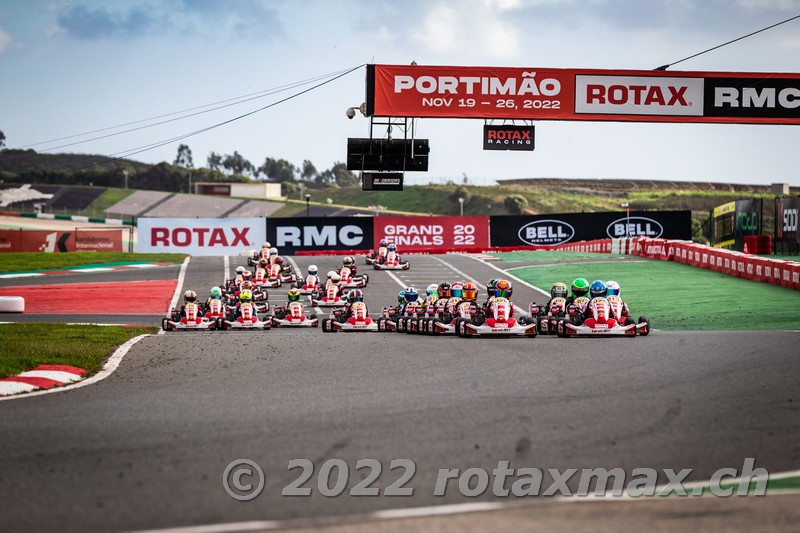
613 288
391 248
411 294
598 288
356 295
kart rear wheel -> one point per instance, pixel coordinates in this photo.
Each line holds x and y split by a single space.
460 326
542 325
381 324
560 328
165 324
325 325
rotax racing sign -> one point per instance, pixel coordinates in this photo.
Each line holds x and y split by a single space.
433 233
201 236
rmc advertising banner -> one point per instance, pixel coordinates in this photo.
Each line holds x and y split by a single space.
201 236
305 234
582 94
551 230
412 234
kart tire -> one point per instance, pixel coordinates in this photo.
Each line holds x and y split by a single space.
460 325
400 324
478 319
280 314
381 322
366 279
561 329
629 321
646 320
312 316
324 325
165 324
542 325
447 317
220 324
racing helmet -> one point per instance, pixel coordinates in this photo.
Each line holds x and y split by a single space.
247 285
432 289
457 290
444 290
273 251
240 270
293 295
335 278
247 274
189 297
580 287
401 297
391 248
470 291
598 288
503 288
348 261
559 290
410 294
246 296
215 293
331 273
263 263
279 260
383 243
266 245
356 295
491 288
312 270
613 288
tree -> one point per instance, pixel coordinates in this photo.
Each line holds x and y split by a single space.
342 176
2 140
460 192
279 170
237 164
184 158
515 204
309 171
214 161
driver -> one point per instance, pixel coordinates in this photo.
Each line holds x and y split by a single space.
189 297
245 296
598 289
349 262
558 290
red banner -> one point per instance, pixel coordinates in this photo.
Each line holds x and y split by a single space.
414 234
583 94
61 241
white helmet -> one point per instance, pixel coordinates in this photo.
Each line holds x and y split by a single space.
273 251
266 244
240 270
312 270
334 277
613 288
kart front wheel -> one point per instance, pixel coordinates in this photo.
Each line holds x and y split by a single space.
165 324
647 325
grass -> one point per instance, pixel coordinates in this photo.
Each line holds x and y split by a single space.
24 346
111 196
545 256
24 261
682 297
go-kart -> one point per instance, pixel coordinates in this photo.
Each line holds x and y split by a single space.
310 285
257 255
605 320
373 255
193 321
294 318
331 298
445 324
270 279
348 281
247 319
215 309
390 262
408 319
358 320
287 276
388 319
499 324
548 322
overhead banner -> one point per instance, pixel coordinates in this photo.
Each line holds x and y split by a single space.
508 137
583 94
427 233
291 235
201 236
552 230
786 216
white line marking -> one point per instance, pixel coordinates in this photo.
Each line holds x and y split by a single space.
95 269
394 277
8 388
414 512
178 288
227 268
512 276
215 528
23 275
108 368
55 375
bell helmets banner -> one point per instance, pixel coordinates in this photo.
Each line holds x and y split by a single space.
583 94
201 236
552 230
291 235
432 233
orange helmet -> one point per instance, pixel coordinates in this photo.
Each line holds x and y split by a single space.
470 291
503 288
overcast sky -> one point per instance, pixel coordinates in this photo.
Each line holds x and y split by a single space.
72 67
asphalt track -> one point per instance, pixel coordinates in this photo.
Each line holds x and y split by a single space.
146 448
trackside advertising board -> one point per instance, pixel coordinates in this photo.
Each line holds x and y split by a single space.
583 94
412 234
201 236
291 235
786 216
552 230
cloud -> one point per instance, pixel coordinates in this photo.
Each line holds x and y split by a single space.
5 38
91 24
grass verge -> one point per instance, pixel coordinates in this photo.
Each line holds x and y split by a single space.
24 346
545 256
681 297
24 261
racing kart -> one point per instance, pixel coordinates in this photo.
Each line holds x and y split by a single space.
193 321
330 298
247 319
548 322
294 318
359 320
390 262
348 281
269 279
605 320
310 285
388 319
499 324
256 255
445 324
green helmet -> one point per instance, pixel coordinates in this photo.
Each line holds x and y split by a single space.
580 287
216 293
559 290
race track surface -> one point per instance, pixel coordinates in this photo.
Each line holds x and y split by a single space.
147 447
